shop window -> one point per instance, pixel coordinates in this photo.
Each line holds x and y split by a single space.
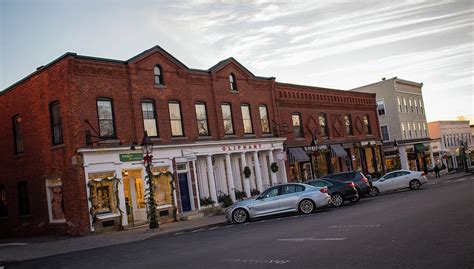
348 123
227 118
54 194
264 122
149 117
233 82
381 107
176 118
323 129
384 131
106 118
23 198
162 185
56 123
3 201
18 134
368 128
158 75
297 125
201 117
102 192
246 118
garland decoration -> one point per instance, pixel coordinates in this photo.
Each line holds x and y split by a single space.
94 183
274 167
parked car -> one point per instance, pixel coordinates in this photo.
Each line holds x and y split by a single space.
290 197
362 182
399 179
340 191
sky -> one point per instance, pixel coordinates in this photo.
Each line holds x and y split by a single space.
334 44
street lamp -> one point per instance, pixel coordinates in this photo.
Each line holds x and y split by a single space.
464 161
147 149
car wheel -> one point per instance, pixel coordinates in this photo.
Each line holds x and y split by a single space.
373 192
355 199
240 215
306 206
415 184
337 200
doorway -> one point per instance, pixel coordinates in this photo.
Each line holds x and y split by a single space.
134 190
184 192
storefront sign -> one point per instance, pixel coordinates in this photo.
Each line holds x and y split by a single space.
130 157
241 147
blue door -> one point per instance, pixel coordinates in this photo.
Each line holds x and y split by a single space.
184 192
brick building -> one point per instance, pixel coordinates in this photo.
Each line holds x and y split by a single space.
70 128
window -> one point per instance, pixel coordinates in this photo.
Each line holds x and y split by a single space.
415 131
409 130
102 192
233 82
416 106
272 192
158 75
297 125
264 122
323 129
149 117
348 123
54 193
384 131
201 116
3 201
368 128
404 131
419 128
411 105
444 141
56 123
23 198
106 118
405 104
381 107
399 105
422 111
18 134
175 118
227 118
291 188
246 118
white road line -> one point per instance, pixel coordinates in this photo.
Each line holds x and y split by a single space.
261 221
355 226
13 244
178 233
198 230
213 228
228 226
459 180
311 239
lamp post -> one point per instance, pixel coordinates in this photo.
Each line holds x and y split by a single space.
147 150
464 161
395 146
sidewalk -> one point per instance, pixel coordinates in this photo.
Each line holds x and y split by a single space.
33 248
431 177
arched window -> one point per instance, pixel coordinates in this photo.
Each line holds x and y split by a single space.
158 75
233 82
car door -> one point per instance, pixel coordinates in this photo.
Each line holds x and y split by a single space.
403 179
386 182
288 200
267 202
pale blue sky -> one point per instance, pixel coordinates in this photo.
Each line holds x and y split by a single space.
336 44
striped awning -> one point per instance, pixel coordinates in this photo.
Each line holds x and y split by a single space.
297 155
338 150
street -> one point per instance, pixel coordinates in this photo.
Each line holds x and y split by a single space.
428 228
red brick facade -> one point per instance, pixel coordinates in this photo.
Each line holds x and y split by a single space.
77 81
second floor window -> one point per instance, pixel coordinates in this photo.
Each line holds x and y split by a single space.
201 117
176 119
405 104
106 118
384 131
381 107
348 123
149 117
56 123
416 106
297 125
426 130
23 198
368 128
264 122
409 130
158 75
247 119
415 131
233 82
404 131
227 118
323 128
18 134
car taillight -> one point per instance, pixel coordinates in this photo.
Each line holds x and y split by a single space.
351 184
422 174
324 190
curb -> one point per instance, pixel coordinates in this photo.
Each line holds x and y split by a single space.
165 233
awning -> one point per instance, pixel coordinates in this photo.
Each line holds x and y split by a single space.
338 150
297 155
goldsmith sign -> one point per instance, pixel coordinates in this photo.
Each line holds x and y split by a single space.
130 157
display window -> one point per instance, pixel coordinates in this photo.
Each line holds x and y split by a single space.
54 193
162 185
102 192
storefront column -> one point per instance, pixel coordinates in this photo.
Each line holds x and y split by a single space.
237 173
190 188
272 160
283 170
230 178
203 178
455 161
121 196
252 181
265 177
258 172
433 163
403 158
196 181
212 183
246 180
222 178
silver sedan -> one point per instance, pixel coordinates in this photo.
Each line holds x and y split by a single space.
291 197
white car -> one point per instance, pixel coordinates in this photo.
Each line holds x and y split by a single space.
396 180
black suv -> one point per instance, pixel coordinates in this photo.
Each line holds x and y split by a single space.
361 182
339 191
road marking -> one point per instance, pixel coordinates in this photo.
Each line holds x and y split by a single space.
260 261
355 226
13 244
198 230
459 180
311 239
178 233
229 225
261 221
213 228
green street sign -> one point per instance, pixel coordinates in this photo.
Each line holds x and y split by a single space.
130 157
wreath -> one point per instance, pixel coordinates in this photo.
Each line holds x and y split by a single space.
247 172
274 167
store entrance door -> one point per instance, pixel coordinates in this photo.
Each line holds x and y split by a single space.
134 190
184 192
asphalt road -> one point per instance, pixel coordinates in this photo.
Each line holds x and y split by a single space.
429 228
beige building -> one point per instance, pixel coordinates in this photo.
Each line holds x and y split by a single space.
456 142
403 125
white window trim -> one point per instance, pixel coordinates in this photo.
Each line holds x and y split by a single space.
48 196
388 131
384 108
